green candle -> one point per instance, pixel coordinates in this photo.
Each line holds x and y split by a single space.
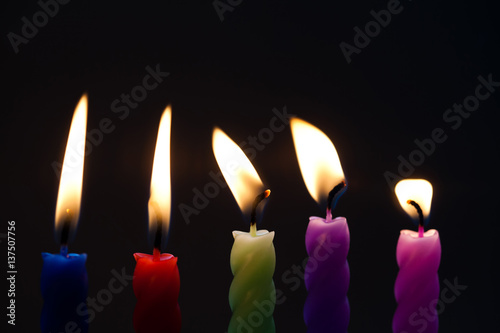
252 295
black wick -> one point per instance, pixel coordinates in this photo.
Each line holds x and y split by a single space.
258 199
65 233
419 211
159 226
333 195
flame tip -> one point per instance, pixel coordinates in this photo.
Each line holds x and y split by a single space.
84 99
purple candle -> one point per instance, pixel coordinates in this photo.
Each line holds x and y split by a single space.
327 275
418 255
327 240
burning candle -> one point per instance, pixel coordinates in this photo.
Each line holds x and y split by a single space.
156 277
327 240
64 276
418 255
252 295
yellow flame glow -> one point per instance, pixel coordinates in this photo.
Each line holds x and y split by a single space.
237 170
70 186
159 204
418 190
318 159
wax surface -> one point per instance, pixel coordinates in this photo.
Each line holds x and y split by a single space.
64 287
252 295
417 283
156 286
327 275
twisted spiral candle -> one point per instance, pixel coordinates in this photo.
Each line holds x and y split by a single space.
252 295
64 288
327 275
417 283
156 286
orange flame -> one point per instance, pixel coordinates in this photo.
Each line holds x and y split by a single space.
159 204
318 159
70 186
238 171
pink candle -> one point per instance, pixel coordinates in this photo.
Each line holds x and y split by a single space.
418 255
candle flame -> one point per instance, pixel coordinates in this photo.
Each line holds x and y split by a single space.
70 186
159 204
417 190
318 159
237 170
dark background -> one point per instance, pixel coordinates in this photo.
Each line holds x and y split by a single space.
232 73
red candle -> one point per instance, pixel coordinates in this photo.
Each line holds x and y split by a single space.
156 277
156 286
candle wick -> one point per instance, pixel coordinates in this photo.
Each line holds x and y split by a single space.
253 217
328 215
420 216
159 228
253 229
420 231
158 234
334 196
156 254
65 233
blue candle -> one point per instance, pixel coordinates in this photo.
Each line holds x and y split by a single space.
64 276
64 291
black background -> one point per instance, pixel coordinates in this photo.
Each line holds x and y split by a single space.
231 74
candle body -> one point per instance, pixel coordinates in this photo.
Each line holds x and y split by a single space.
327 275
64 287
252 295
417 283
156 286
